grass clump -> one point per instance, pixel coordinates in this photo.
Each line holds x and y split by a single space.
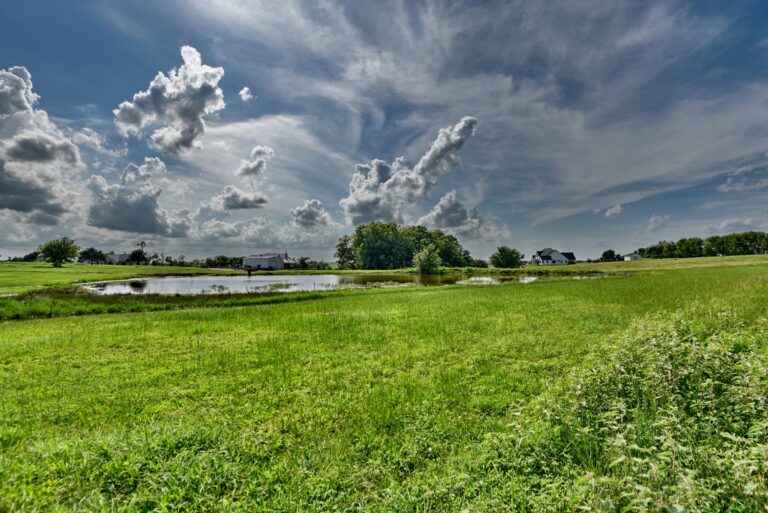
676 420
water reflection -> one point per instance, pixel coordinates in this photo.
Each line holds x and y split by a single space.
263 283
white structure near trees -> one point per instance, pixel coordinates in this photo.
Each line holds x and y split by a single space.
632 256
268 261
116 258
549 256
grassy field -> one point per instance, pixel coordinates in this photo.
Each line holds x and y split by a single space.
641 392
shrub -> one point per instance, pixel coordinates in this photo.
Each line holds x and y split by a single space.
427 260
507 258
677 420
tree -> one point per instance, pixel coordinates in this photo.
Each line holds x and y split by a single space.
609 255
137 257
31 257
388 246
506 258
58 251
427 260
478 263
92 255
746 243
344 255
380 246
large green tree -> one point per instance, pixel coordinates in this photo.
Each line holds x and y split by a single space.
388 246
59 251
380 246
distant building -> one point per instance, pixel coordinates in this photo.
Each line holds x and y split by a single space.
268 261
116 258
632 256
549 256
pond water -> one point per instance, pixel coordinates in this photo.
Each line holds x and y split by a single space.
284 283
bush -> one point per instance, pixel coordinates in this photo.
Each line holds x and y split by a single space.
506 258
427 260
677 420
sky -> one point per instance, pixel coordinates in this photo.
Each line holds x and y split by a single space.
208 127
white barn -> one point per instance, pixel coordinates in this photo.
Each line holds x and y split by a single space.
632 256
268 261
549 256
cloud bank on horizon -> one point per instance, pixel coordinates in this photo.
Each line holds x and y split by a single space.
499 123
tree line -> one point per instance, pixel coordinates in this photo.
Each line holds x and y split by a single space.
389 246
64 250
743 243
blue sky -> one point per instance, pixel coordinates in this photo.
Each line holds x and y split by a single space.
577 125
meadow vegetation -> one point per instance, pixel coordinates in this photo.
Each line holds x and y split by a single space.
645 391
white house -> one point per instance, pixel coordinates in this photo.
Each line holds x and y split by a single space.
549 256
268 261
632 256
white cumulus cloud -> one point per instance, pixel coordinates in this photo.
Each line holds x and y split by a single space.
176 103
311 214
380 191
245 94
452 216
614 211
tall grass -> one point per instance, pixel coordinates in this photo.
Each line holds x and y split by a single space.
675 420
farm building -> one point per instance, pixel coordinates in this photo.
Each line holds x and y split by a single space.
270 261
632 256
549 256
116 258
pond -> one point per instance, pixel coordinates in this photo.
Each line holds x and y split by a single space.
284 283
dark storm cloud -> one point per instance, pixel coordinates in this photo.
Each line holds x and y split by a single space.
30 193
40 147
33 151
132 205
233 198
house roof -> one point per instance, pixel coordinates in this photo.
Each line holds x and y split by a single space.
281 256
546 254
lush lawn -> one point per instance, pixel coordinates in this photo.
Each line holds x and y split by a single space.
18 277
386 400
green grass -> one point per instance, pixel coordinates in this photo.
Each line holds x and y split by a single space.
17 277
417 399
